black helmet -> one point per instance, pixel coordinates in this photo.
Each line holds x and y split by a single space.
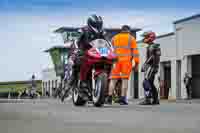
95 23
126 28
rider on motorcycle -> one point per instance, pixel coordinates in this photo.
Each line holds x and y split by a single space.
93 30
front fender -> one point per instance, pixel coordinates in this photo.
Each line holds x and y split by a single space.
98 72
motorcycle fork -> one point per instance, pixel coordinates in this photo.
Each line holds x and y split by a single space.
93 79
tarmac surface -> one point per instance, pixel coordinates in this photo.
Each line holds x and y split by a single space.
52 116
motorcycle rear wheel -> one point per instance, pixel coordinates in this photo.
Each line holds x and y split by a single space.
77 99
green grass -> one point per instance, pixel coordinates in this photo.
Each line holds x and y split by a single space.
4 90
17 87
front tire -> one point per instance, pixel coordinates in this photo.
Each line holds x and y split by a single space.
98 93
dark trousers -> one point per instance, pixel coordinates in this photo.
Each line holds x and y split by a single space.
150 89
74 76
189 91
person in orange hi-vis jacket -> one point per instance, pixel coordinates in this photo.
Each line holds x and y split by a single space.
125 48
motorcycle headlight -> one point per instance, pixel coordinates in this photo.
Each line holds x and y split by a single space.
93 51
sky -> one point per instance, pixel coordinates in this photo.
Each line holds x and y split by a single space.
26 26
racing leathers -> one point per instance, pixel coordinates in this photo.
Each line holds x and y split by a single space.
83 45
150 68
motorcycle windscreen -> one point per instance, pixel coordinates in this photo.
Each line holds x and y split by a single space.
102 46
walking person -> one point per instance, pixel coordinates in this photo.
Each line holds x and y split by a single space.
188 85
150 68
125 48
33 86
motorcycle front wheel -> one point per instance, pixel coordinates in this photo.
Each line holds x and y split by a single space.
98 94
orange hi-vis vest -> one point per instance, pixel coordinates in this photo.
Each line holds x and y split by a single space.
125 47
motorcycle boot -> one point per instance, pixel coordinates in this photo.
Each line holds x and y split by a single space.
156 102
154 93
109 100
83 88
72 80
147 101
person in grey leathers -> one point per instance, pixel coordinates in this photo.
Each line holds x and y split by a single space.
188 85
150 69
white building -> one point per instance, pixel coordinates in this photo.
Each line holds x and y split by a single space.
180 54
188 50
49 81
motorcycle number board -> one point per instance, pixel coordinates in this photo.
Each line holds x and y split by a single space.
103 51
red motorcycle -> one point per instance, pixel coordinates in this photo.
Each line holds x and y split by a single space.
100 57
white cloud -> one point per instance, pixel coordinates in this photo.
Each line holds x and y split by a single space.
25 36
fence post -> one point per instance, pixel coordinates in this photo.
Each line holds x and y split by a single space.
9 95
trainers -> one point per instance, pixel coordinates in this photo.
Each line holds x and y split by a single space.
123 101
117 100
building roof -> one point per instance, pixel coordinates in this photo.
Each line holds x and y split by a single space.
186 19
48 69
63 29
119 29
165 35
71 29
57 47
